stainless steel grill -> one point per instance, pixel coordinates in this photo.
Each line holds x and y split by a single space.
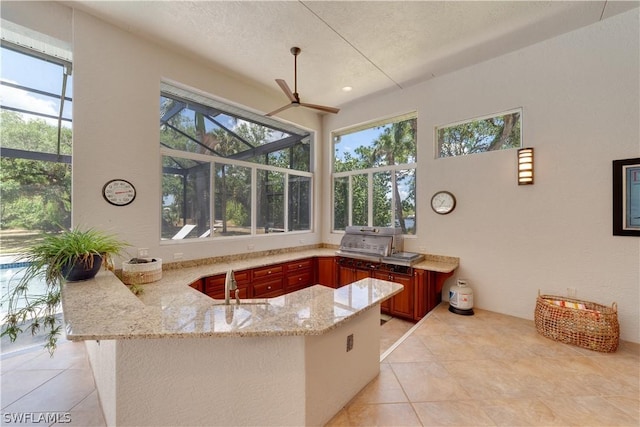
376 244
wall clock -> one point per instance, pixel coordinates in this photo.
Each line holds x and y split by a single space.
443 202
119 192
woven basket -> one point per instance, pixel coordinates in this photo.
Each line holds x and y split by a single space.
592 326
138 274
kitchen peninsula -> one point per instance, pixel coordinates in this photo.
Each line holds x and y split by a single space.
175 356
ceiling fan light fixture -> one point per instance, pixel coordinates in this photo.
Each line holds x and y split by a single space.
294 97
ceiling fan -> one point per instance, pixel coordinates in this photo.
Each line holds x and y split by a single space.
293 96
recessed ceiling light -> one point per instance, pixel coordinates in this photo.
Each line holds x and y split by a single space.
347 89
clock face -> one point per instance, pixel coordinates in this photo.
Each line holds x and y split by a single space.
443 202
119 192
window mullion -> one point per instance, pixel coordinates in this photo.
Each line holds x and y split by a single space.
370 199
350 200
212 204
254 199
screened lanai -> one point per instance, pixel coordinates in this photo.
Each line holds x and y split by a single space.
230 172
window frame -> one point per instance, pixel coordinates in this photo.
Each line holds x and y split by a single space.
173 90
436 145
370 172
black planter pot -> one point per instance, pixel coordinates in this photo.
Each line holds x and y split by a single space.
74 272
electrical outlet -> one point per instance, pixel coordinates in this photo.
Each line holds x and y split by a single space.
251 247
423 249
572 292
350 342
143 252
178 255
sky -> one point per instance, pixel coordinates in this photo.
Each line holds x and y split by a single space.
34 73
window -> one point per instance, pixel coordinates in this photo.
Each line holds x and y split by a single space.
230 172
35 171
374 179
497 132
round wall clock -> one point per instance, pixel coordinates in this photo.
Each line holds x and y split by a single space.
443 202
119 192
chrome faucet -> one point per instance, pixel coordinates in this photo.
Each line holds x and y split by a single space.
230 284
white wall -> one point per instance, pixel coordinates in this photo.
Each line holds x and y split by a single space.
116 134
579 93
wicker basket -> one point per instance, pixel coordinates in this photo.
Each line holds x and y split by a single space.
577 322
138 274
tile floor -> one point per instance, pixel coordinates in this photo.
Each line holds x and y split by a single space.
450 370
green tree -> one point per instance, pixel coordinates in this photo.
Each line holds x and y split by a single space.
36 194
495 133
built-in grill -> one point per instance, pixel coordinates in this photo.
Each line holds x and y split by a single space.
383 245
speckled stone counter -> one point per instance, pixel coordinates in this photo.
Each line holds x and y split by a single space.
104 308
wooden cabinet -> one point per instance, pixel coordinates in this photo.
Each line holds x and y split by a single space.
326 271
421 294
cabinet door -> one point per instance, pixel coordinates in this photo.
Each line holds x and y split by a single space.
214 285
326 271
402 304
346 275
197 285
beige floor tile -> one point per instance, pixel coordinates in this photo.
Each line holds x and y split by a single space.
589 411
17 384
428 381
411 350
71 355
452 413
387 414
521 412
630 405
61 393
12 361
385 388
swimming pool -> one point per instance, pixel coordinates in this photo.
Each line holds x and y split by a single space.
10 274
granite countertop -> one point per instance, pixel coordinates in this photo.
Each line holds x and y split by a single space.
103 308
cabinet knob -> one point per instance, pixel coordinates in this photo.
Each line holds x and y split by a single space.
269 288
299 265
299 279
269 272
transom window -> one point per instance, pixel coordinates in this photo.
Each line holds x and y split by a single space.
489 133
230 172
374 175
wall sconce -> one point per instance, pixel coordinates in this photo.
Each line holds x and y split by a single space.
525 166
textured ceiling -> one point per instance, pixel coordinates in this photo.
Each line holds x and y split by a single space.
372 46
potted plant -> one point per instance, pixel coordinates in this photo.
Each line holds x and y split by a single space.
68 256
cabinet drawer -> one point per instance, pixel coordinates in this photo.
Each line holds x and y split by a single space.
268 288
303 264
299 280
268 271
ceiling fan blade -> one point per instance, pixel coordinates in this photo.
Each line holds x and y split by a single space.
285 88
279 109
321 108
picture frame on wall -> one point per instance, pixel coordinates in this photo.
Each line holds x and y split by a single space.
626 197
